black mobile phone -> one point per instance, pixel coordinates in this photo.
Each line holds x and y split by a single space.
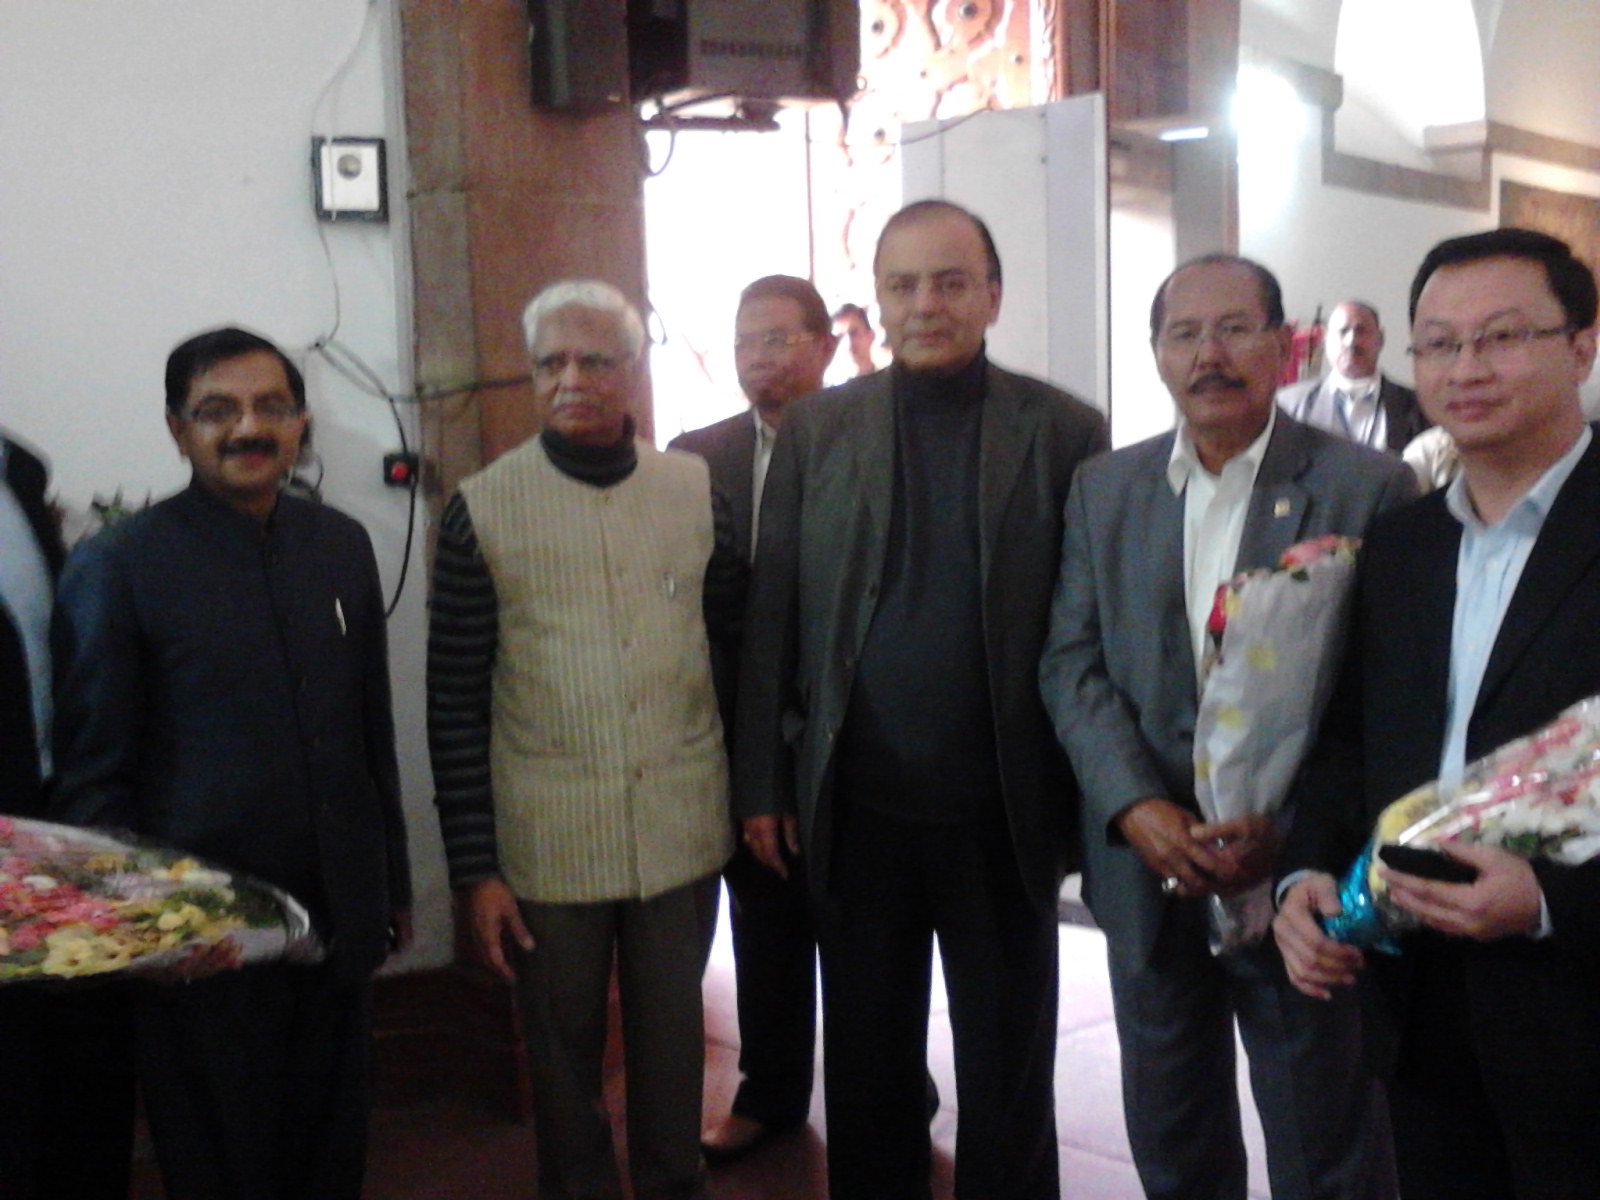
1426 863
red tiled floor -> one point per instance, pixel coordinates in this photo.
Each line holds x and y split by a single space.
461 1150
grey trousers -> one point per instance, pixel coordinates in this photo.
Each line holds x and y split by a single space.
1322 1112
564 988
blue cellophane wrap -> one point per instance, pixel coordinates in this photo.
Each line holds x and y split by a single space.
1361 923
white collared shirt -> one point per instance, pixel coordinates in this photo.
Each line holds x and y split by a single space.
1214 508
1488 569
761 460
1356 407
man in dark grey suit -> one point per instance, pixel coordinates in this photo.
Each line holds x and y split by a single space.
1354 399
1151 531
783 342
890 730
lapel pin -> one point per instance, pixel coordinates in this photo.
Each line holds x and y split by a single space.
1280 507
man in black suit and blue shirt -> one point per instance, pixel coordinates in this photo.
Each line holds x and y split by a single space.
1354 399
1475 622
1151 531
890 731
783 342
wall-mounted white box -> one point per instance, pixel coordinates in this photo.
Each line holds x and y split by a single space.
349 179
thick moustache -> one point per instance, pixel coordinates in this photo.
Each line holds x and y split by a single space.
249 446
1215 381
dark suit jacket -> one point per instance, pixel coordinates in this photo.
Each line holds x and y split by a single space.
1118 673
824 528
1385 731
729 448
20 785
1312 404
226 691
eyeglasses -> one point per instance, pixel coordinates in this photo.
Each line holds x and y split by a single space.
946 285
772 341
1185 338
587 364
221 413
1495 342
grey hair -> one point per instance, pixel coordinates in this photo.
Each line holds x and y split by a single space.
585 293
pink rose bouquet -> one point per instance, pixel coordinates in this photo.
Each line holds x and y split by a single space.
1537 796
77 902
1275 634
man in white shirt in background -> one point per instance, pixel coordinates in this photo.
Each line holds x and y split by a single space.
1355 400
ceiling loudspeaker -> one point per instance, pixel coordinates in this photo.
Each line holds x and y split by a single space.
589 55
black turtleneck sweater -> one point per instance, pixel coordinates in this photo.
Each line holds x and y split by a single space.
464 633
918 740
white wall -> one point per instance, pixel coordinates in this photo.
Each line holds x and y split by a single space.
157 184
1326 243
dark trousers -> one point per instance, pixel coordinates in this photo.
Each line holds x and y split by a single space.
1321 1110
255 1084
563 989
895 886
66 1091
775 971
1501 1107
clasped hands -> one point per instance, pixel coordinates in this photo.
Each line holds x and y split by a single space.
1225 857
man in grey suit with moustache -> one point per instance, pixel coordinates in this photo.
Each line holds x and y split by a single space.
1151 531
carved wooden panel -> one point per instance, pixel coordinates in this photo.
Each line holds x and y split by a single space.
920 60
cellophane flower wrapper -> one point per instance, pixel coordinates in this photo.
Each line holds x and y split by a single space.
80 902
1276 635
1537 796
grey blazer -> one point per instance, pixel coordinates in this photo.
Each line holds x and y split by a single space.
824 527
1118 671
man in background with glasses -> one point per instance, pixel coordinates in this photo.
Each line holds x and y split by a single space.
578 758
1476 622
223 686
1151 531
782 345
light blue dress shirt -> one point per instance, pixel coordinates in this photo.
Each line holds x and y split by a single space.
1488 569
25 592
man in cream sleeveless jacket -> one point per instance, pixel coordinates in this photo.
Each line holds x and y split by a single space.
577 750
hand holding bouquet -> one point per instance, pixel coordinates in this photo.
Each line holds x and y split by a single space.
1275 635
77 902
1537 796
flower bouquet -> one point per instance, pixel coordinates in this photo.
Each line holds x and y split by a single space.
1537 796
76 902
1275 636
